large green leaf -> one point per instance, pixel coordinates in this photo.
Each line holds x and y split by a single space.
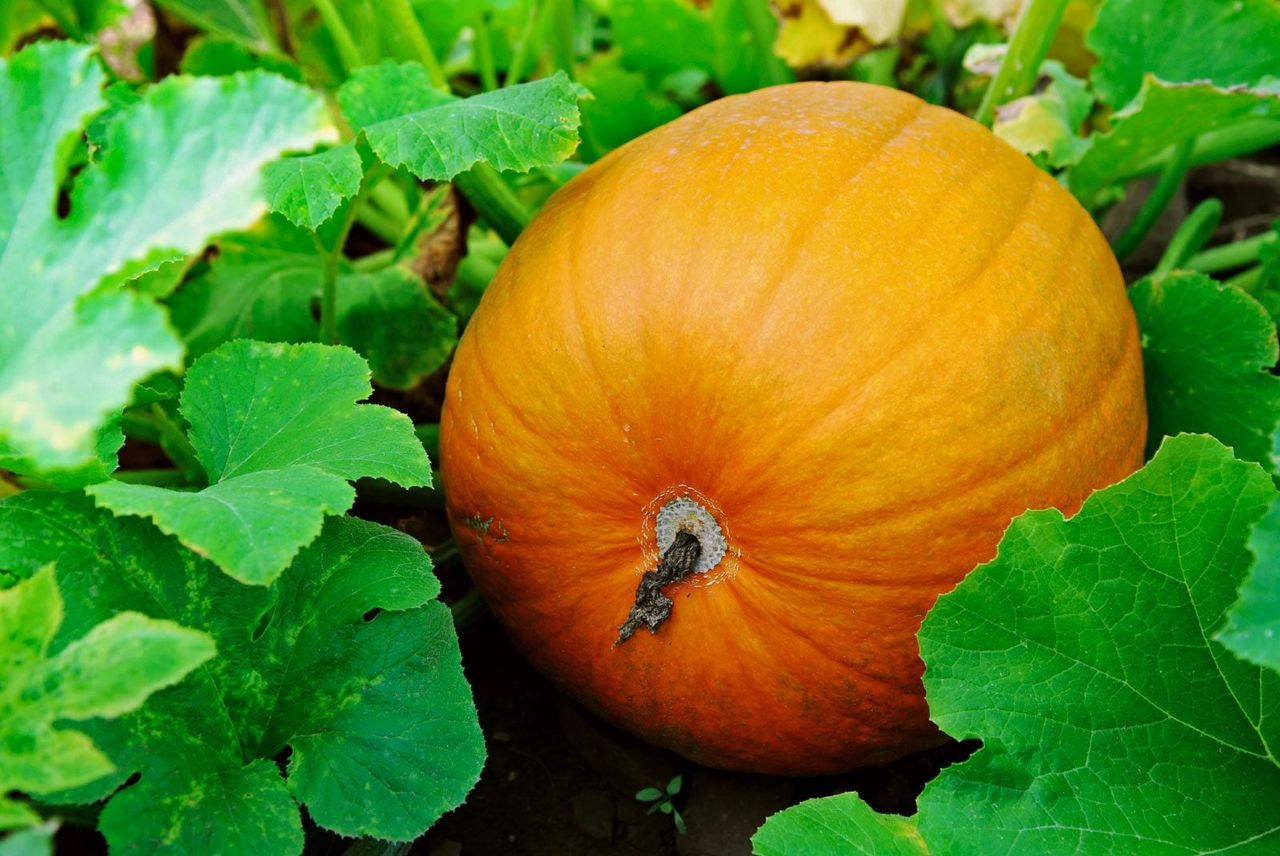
435 136
1207 351
1083 658
279 434
245 21
177 168
1253 630
377 713
1180 41
1161 116
108 671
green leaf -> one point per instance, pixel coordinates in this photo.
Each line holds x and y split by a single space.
649 794
659 37
279 434
245 21
261 286
389 317
1160 117
308 189
177 168
1082 657
1181 41
622 107
1048 122
218 57
107 672
1253 627
378 715
1207 351
436 136
35 841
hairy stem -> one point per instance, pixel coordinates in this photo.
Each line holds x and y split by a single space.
494 200
1191 236
1167 185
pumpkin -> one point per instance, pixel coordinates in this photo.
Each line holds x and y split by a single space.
790 363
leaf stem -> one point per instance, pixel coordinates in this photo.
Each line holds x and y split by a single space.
1212 146
523 47
1191 236
173 440
329 292
559 21
495 201
1155 203
342 40
482 47
763 29
389 196
1021 64
1247 281
1230 256
379 223
400 15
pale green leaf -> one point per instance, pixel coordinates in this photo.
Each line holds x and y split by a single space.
377 712
107 672
245 21
34 841
1253 629
279 433
1048 123
176 168
1224 42
309 188
1083 658
1207 351
436 136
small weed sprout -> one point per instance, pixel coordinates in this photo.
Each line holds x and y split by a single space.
662 801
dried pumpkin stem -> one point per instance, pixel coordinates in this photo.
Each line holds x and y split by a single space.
652 607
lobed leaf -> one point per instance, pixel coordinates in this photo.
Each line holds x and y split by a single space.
176 168
1207 352
108 671
1253 626
435 136
279 433
377 712
308 189
1083 657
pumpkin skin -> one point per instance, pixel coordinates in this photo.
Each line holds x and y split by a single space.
861 331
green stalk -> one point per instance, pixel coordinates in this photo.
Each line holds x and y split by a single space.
1231 256
382 225
156 478
174 441
1195 230
348 52
559 22
495 201
400 15
523 47
483 49
763 29
329 292
389 196
1214 146
375 261
1021 65
1170 180
1248 281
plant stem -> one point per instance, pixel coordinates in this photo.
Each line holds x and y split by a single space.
1191 236
1229 256
380 224
329 292
483 50
1247 281
467 609
342 40
763 29
375 261
388 196
1021 65
559 21
158 478
1214 146
523 47
400 14
176 445
1170 180
495 201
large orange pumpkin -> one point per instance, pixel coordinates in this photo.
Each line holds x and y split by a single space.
837 337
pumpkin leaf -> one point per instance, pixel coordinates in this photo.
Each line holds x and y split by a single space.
1207 351
244 21
377 713
177 167
1254 622
1163 115
435 136
279 434
309 188
1048 122
1083 658
1170 40
108 671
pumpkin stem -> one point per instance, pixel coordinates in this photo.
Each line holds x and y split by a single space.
652 607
